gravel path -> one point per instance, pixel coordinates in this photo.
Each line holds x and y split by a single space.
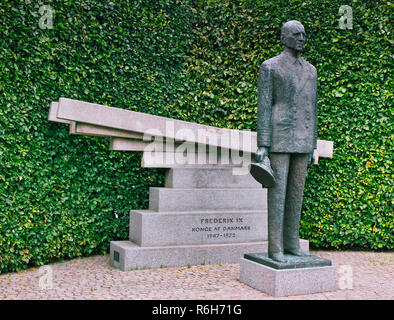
360 275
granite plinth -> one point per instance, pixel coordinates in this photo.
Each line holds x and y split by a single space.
293 262
287 282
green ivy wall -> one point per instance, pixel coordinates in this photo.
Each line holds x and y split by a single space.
64 196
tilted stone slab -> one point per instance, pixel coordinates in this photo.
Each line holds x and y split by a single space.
171 199
202 159
121 140
325 148
165 159
80 111
116 122
86 129
150 228
126 144
52 115
130 145
153 159
208 178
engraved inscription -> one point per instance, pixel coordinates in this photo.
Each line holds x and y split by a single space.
222 228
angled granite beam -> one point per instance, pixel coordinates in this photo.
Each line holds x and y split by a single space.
53 112
324 148
74 109
95 114
221 157
86 129
122 144
194 159
118 142
126 144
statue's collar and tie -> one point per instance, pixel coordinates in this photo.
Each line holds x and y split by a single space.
296 61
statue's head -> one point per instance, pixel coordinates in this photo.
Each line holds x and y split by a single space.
293 35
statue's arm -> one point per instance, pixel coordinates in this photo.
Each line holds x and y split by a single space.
315 111
264 109
312 155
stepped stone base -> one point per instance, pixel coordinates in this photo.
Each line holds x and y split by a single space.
149 228
126 255
219 177
200 199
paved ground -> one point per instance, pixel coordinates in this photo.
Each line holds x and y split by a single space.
370 276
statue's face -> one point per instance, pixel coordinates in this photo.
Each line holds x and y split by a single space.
295 38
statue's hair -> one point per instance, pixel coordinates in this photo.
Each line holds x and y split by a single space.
287 27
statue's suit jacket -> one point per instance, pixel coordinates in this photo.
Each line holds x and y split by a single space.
287 105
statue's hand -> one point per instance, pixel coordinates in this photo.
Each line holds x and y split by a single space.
261 153
311 159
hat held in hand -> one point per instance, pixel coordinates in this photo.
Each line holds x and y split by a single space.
263 173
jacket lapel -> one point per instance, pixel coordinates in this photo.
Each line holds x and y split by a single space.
301 75
296 71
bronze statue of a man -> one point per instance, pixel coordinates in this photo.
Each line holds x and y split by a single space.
287 134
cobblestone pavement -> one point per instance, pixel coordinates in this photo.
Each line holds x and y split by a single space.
92 278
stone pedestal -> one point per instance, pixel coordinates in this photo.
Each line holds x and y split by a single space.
201 216
300 275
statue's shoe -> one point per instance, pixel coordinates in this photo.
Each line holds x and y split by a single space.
297 252
278 256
